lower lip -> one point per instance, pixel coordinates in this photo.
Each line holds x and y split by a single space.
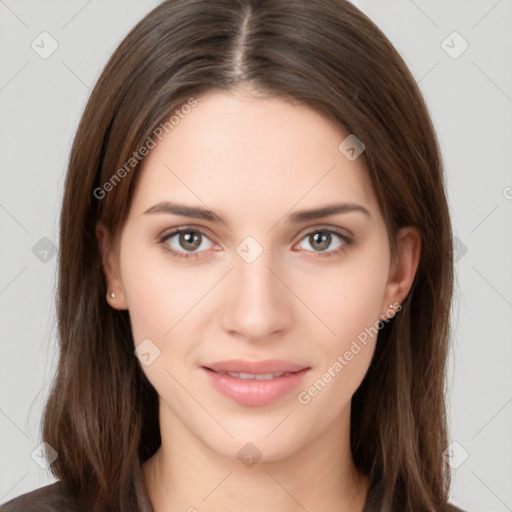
254 393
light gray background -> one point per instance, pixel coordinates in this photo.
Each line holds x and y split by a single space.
470 99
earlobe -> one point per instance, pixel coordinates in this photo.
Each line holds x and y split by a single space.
115 293
403 269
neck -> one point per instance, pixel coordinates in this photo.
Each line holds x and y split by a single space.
187 475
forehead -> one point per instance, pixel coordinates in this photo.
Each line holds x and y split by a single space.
241 154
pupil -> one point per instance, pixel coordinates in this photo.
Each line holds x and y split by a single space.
322 238
190 240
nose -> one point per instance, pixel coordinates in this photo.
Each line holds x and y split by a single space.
257 304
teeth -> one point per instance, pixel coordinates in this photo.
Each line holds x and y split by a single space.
254 376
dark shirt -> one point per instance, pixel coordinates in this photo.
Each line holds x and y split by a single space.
52 498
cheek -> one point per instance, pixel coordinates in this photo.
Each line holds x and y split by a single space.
344 358
158 296
150 303
348 298
158 300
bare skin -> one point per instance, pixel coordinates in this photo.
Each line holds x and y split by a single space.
255 162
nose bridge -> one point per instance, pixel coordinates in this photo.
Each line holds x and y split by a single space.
256 304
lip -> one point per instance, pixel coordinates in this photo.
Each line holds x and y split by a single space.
254 392
257 367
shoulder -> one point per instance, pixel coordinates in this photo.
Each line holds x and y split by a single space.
50 498
449 508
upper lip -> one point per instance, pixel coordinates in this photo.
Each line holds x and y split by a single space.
255 367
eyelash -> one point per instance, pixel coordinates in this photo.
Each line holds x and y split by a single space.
347 242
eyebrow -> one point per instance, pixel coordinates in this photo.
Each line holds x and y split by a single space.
196 212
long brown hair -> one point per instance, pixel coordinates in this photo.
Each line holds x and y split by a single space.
102 413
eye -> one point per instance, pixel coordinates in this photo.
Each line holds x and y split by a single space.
320 240
188 242
185 242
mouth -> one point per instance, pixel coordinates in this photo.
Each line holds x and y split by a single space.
254 383
254 376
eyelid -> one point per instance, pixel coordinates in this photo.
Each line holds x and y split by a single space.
176 230
335 229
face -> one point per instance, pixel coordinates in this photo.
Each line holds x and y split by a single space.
252 239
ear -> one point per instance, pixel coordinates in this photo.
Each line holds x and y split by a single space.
403 268
109 259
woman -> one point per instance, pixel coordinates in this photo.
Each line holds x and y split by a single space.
255 272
